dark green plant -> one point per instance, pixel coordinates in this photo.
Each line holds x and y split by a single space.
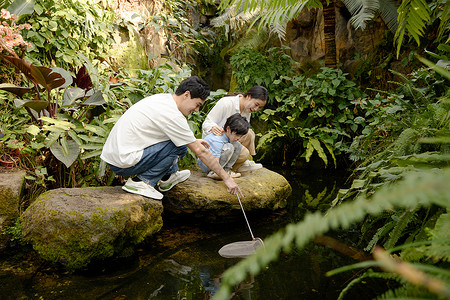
250 68
62 29
318 114
14 232
44 101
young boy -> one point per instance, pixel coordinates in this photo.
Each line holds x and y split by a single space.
226 147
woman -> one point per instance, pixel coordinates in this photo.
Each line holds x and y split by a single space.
244 104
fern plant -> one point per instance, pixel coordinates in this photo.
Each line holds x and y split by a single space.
418 189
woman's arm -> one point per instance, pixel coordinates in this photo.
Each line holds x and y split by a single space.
217 115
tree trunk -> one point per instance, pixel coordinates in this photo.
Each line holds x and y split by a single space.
329 29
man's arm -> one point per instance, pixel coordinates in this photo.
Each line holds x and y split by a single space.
212 163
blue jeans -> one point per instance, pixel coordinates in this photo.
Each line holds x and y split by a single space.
157 160
228 156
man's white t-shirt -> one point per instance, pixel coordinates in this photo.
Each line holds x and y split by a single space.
218 115
150 121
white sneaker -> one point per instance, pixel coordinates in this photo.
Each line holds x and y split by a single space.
174 179
141 188
249 165
213 175
233 174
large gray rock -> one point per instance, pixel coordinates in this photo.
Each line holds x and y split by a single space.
208 198
75 226
12 183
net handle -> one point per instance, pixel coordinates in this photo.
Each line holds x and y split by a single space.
245 216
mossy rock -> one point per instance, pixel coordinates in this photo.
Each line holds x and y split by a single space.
12 182
76 226
203 197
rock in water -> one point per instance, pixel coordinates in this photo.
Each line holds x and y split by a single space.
74 226
208 198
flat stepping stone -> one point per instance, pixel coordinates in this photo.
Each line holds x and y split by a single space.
208 198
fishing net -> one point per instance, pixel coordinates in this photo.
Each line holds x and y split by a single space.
240 249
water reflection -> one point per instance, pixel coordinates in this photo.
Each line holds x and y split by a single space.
182 261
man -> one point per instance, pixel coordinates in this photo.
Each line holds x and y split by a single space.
153 135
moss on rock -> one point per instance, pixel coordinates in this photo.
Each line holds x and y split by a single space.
76 226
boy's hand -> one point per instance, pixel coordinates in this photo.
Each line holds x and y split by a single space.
204 143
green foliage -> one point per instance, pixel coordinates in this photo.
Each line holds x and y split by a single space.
251 68
14 232
60 29
40 176
163 79
317 114
416 15
420 189
65 112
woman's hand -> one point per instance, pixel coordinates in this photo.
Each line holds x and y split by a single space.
217 130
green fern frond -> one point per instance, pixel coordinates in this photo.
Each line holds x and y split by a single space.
369 274
417 189
413 16
362 11
399 229
381 232
405 143
445 20
440 246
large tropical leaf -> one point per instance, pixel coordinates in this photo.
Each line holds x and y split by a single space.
48 78
95 99
37 75
66 151
71 95
22 7
64 74
16 90
36 105
21 65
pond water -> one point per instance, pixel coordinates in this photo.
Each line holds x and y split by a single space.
182 262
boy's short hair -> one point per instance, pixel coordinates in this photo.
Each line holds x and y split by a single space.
237 124
196 86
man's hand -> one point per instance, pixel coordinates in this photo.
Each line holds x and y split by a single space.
217 130
232 187
213 164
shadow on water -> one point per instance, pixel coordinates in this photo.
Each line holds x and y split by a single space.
182 260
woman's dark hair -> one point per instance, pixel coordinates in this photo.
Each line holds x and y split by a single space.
196 86
257 92
237 123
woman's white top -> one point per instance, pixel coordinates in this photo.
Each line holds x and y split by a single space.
219 114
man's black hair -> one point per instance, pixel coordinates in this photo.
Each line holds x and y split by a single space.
238 124
196 86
